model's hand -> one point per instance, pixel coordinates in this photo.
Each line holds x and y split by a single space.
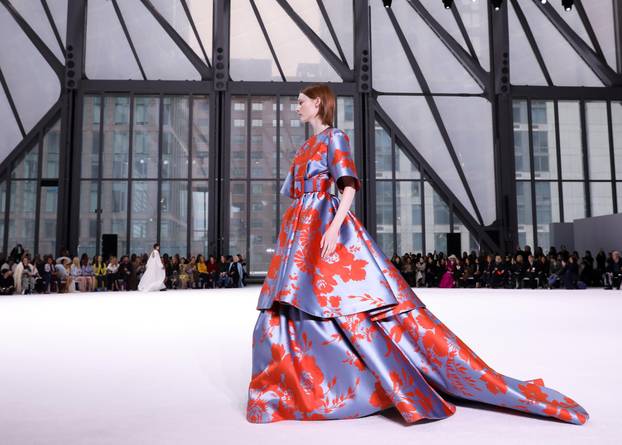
329 241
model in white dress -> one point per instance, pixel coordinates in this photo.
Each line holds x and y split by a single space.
154 276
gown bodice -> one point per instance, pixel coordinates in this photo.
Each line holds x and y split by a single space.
357 277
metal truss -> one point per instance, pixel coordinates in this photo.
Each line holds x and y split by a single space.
434 110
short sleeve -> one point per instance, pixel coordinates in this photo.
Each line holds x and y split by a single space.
340 163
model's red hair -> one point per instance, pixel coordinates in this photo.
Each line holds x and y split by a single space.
326 111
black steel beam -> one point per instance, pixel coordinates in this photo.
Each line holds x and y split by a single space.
194 30
48 14
471 65
364 132
532 41
331 29
68 226
9 98
434 110
590 31
607 76
463 31
146 86
221 44
268 41
506 225
195 60
128 38
45 52
333 60
587 93
426 169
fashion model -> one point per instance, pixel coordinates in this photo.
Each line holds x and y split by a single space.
154 276
340 333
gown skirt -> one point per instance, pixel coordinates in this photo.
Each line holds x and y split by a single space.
345 336
310 367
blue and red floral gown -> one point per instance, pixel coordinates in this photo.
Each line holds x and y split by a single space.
345 336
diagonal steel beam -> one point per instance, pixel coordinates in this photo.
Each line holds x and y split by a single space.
590 31
267 37
48 14
465 216
472 66
9 98
346 74
194 29
532 41
463 31
608 76
433 109
195 60
331 29
128 38
45 52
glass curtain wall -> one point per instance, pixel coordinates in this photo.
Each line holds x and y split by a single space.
411 216
566 163
144 173
29 197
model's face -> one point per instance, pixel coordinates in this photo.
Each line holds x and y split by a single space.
307 108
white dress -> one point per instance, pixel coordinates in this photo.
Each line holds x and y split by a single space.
153 278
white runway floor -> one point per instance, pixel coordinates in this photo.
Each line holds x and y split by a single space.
173 368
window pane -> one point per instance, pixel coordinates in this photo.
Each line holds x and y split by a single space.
524 214
47 220
405 168
175 137
200 219
384 164
200 137
570 140
619 193
238 138
574 201
547 202
262 150
238 222
547 210
521 139
616 120
114 212
51 152
543 133
599 162
22 214
409 216
146 129
602 198
27 166
91 116
436 220
116 137
144 216
87 241
262 219
384 216
174 217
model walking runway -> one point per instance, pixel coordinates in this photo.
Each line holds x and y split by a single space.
340 333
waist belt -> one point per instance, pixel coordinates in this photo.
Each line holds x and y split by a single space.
320 184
